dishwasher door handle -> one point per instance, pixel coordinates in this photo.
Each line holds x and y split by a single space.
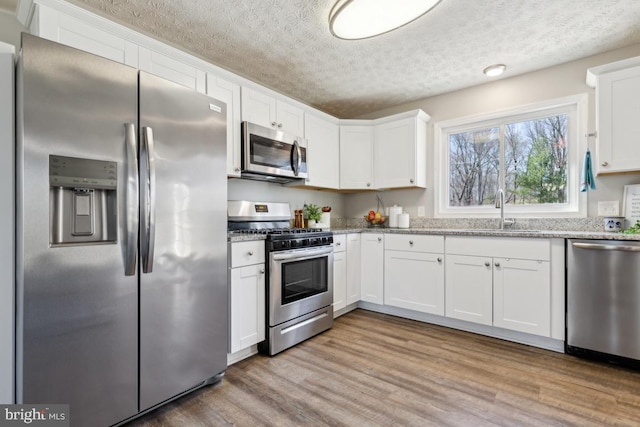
601 247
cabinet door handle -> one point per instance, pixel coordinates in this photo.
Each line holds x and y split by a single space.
411 242
497 264
338 243
250 253
605 163
439 259
487 264
237 169
379 239
262 271
274 124
411 180
279 125
368 184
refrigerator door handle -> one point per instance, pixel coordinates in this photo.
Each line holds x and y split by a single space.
148 226
131 195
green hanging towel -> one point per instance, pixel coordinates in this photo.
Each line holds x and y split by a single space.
587 181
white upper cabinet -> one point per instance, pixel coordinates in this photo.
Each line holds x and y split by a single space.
356 157
229 93
86 32
267 111
323 152
617 112
400 151
171 69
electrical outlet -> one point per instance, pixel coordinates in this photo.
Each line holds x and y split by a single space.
611 208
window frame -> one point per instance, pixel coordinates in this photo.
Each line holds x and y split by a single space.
575 107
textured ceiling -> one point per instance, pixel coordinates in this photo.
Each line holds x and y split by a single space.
286 44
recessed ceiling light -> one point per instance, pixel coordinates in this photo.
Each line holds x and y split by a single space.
494 70
360 19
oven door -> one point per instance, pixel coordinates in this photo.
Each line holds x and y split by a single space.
300 281
271 152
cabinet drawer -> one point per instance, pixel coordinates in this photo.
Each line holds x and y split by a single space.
500 247
414 243
247 253
339 242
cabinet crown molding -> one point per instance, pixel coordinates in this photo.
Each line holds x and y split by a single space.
594 72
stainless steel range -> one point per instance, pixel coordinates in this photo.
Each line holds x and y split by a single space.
299 273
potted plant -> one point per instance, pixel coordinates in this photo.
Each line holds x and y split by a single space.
314 213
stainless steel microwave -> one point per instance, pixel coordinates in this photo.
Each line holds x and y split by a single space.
272 155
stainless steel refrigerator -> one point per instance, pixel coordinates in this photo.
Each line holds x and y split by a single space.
121 236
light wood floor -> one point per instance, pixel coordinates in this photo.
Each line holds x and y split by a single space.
377 370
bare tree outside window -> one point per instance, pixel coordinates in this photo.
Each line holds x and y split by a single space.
534 169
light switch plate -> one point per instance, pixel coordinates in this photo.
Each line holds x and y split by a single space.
611 208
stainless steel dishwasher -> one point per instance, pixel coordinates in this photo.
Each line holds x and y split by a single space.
603 300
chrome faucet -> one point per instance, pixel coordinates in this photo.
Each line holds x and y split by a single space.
500 205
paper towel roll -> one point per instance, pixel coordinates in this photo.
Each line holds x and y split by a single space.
403 220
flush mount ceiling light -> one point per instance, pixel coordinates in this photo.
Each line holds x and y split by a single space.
361 19
494 70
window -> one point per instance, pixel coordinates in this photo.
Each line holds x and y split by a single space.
532 153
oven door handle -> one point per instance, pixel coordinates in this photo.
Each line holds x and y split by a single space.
300 255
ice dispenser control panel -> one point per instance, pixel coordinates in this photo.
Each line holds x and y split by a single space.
74 172
82 200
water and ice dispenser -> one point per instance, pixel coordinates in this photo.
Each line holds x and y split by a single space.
82 201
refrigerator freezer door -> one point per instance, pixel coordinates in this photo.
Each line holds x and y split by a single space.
183 301
77 311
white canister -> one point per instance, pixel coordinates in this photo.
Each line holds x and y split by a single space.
325 218
403 220
394 211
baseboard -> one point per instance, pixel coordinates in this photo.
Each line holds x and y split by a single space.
491 331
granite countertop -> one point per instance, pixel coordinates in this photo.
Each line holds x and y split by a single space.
601 235
560 234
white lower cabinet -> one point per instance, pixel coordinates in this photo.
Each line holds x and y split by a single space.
469 289
372 268
414 273
522 295
246 295
339 272
353 268
503 282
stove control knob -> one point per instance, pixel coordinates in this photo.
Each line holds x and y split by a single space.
304 242
284 244
293 243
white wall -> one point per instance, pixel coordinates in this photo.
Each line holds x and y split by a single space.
10 29
6 223
554 82
242 189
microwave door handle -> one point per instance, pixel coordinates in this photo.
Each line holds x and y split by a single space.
296 158
148 200
131 200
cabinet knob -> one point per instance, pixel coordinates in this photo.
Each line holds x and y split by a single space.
439 259
236 170
250 253
487 264
379 239
368 184
338 243
411 181
605 163
411 242
497 264
262 271
279 125
274 124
